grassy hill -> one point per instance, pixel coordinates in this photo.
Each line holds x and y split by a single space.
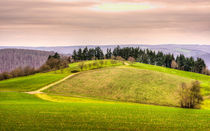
95 100
125 84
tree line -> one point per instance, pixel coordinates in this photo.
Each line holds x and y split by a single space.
56 62
144 56
53 63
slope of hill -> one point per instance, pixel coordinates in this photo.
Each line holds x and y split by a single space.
14 58
124 84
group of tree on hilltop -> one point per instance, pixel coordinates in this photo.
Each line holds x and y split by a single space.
144 56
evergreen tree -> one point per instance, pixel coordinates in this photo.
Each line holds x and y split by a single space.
199 65
85 53
56 56
99 53
144 56
116 51
108 54
75 56
79 54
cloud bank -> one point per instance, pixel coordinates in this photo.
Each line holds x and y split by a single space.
79 22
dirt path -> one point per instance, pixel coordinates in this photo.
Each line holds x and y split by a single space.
50 85
126 63
39 91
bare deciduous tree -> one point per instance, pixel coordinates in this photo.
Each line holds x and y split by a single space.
174 65
190 96
131 59
119 58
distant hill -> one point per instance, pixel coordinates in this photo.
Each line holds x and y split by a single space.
13 58
195 51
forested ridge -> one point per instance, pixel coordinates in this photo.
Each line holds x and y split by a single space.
20 62
144 56
11 59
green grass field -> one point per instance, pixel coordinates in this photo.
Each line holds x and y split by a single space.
82 111
19 111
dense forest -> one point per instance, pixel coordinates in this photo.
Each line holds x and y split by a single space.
144 56
11 59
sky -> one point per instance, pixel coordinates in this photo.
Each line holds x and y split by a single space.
103 22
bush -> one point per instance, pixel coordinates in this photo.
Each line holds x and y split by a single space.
85 67
81 65
101 62
5 75
17 72
89 65
113 57
44 68
105 62
75 70
113 62
28 70
95 64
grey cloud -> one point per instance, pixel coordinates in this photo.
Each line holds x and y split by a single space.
47 17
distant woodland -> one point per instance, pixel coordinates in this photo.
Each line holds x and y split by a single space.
11 59
50 63
20 62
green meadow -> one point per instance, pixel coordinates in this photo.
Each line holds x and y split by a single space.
123 83
108 97
20 111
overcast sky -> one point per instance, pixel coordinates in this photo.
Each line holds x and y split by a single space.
88 22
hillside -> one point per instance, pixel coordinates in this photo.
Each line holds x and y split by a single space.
14 58
79 103
124 84
36 81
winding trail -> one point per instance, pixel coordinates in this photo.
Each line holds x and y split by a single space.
39 91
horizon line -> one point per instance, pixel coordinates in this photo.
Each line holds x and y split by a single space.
105 45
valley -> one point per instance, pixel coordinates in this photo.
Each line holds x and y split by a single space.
118 96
